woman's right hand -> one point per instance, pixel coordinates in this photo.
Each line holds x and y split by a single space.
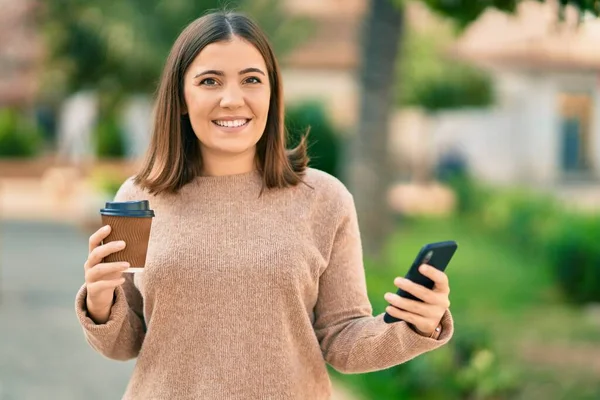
102 278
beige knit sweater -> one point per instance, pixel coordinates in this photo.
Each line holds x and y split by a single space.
248 297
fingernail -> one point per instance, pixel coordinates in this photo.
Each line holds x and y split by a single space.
388 296
399 280
105 228
121 243
424 268
125 265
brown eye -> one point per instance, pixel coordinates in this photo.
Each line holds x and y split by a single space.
253 80
208 82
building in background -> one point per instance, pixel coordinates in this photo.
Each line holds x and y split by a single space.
545 127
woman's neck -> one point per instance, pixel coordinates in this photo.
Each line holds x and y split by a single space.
222 165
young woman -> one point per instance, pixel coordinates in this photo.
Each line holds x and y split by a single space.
254 277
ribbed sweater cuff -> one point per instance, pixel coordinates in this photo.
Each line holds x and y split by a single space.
118 313
447 327
403 330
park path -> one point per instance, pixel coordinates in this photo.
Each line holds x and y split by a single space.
43 354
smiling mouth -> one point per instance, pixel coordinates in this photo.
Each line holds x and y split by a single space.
238 123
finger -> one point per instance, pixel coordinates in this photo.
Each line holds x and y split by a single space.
97 237
415 307
106 271
441 300
419 291
406 316
98 254
105 285
439 278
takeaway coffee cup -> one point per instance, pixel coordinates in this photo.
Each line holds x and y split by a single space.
131 222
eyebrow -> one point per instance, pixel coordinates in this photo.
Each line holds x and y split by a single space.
221 73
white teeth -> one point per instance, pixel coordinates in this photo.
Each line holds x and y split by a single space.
232 124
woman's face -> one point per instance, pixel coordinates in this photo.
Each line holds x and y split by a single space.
227 93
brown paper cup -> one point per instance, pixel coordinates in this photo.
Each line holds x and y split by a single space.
135 232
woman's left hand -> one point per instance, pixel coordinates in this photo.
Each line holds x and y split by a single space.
425 316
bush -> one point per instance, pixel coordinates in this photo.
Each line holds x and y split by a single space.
575 255
470 197
461 86
110 141
19 137
523 217
323 142
537 224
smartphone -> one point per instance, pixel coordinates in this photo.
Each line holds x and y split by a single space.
438 255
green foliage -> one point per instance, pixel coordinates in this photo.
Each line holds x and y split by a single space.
323 140
575 256
431 81
110 140
19 137
284 31
465 12
526 218
461 86
469 196
534 223
114 45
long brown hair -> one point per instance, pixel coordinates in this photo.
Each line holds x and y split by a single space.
173 158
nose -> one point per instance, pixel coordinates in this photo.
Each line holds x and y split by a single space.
233 97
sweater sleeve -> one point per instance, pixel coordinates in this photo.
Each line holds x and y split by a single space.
351 338
121 337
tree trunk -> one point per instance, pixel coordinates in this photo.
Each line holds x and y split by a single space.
368 167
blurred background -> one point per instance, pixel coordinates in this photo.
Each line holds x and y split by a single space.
472 121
